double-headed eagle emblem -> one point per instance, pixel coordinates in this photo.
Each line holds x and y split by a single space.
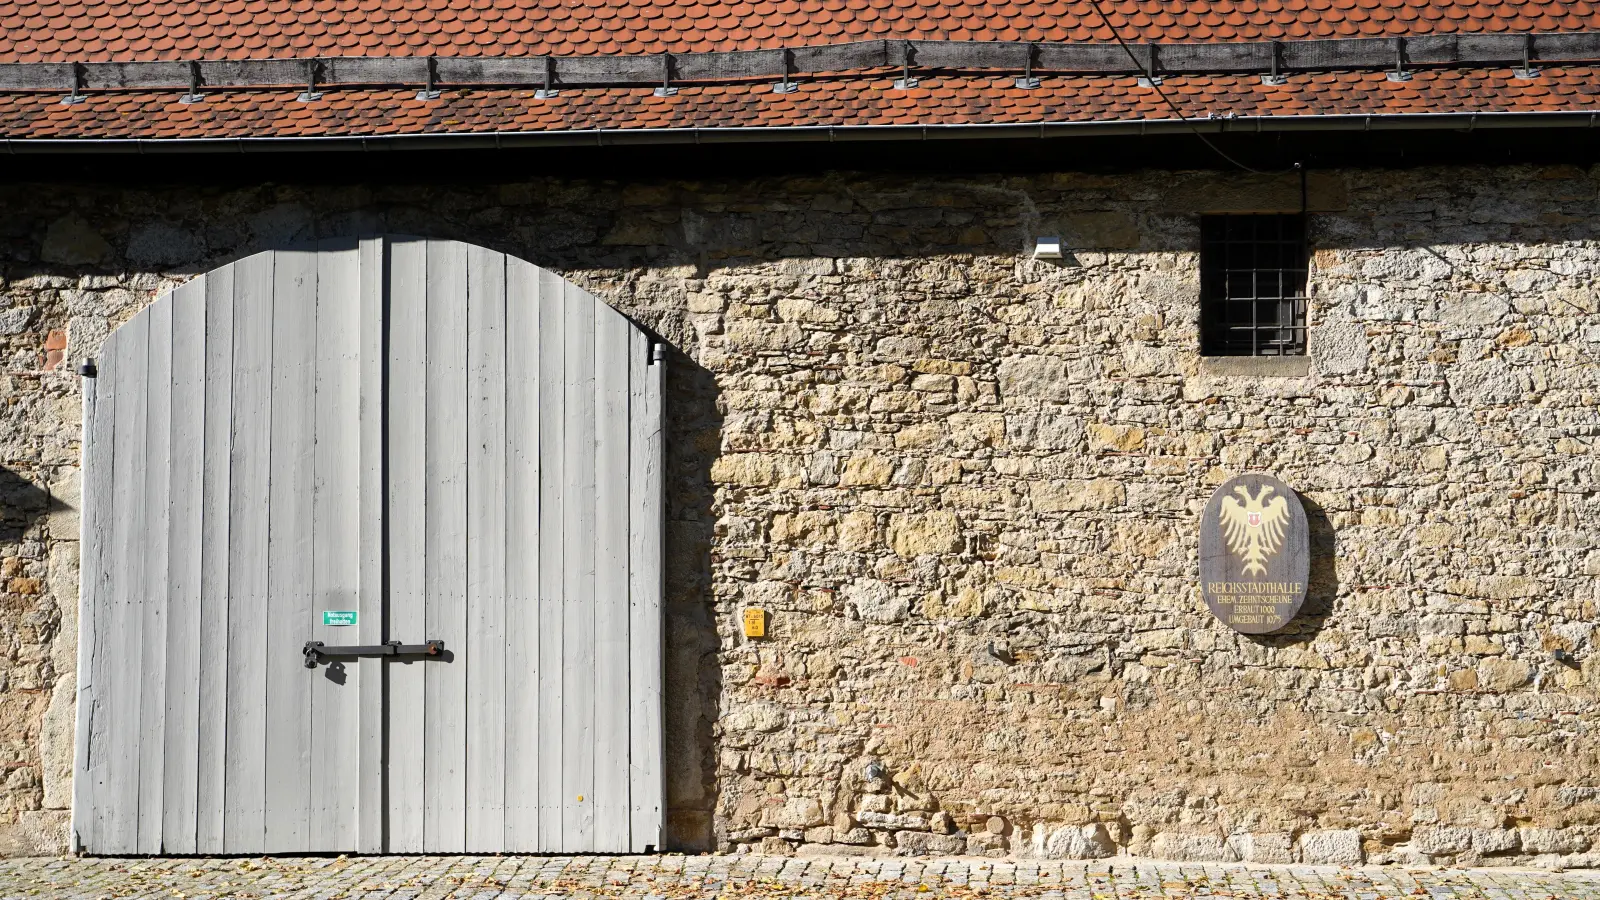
1254 528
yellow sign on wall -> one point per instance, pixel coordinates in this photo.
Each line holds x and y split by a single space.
755 623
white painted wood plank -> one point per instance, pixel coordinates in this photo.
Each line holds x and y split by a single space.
120 797
289 551
486 549
444 817
578 600
152 597
216 460
95 599
245 787
522 540
647 461
407 398
370 490
181 742
335 712
552 563
611 613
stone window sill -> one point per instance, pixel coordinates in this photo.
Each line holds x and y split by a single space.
1257 366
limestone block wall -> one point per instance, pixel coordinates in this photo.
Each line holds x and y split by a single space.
964 485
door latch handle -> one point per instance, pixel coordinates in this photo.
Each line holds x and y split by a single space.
318 652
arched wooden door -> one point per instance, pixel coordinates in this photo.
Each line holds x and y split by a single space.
372 444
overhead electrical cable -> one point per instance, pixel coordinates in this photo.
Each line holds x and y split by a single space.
1155 84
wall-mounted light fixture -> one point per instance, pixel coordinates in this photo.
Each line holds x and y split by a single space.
1047 248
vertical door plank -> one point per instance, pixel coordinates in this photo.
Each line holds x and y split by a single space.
97 640
444 818
335 546
214 599
152 596
522 543
369 575
552 563
289 550
486 551
121 794
181 742
244 820
578 659
407 398
611 613
646 459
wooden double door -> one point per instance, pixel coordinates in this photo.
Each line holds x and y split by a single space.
372 444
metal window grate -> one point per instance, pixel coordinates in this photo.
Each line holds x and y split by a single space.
1253 285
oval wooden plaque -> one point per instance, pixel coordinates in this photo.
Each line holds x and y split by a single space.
1255 553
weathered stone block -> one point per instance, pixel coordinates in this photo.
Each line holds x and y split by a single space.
1076 496
1192 847
922 843
794 812
892 821
1110 230
1333 848
746 469
1072 842
875 601
1038 377
867 470
1118 438
1502 675
71 241
1263 847
919 534
1552 840
1496 840
1442 840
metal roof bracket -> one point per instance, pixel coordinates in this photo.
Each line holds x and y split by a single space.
1527 71
786 86
1027 81
666 89
906 81
548 92
1152 76
77 79
311 92
194 95
431 90
1276 78
1399 72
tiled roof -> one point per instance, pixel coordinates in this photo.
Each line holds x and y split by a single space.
107 30
863 101
87 31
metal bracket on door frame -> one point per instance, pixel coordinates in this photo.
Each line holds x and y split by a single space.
316 651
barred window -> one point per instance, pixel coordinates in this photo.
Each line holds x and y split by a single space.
1253 285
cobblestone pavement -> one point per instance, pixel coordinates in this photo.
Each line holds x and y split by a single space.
754 877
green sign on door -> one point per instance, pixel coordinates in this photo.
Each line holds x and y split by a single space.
338 617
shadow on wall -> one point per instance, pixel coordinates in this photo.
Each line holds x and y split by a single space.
693 684
22 505
1322 587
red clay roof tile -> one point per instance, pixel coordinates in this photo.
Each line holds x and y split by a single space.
859 100
103 30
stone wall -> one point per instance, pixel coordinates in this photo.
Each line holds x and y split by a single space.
964 485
